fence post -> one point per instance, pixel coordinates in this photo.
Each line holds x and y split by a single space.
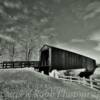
71 78
3 65
79 80
42 72
91 82
55 74
84 81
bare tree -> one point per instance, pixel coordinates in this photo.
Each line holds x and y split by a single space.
8 50
30 26
28 49
12 51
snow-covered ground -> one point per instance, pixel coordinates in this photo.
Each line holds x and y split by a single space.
27 84
97 73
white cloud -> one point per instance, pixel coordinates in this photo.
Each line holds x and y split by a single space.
68 47
92 10
90 15
77 40
2 12
58 1
93 5
12 4
44 20
10 29
97 48
95 36
7 38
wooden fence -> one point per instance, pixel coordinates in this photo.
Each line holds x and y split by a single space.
92 83
19 64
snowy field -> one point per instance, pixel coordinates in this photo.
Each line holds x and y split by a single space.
26 84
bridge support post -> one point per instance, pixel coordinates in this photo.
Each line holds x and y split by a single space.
91 82
71 78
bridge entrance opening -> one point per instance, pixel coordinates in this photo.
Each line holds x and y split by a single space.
44 58
44 61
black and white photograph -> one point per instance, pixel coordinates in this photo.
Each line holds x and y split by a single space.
49 49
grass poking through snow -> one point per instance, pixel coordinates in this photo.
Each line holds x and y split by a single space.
26 84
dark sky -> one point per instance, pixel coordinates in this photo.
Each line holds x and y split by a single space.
78 27
76 22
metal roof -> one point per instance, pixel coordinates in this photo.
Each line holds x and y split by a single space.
49 46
